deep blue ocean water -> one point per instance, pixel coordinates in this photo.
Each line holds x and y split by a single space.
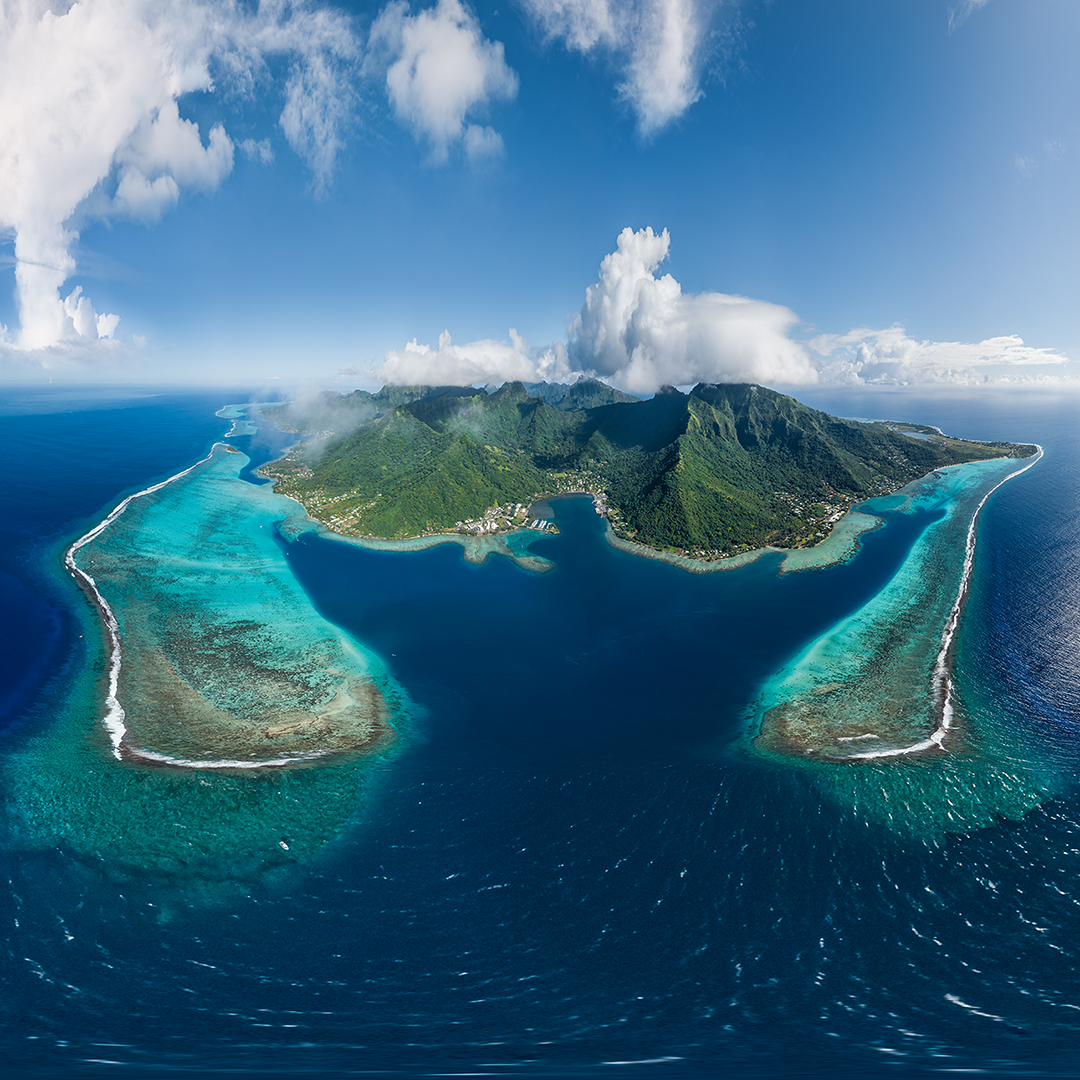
567 870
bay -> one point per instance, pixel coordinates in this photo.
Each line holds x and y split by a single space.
574 861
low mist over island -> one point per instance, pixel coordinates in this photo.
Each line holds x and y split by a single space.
713 473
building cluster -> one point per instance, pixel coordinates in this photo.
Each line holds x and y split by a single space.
502 518
819 516
320 506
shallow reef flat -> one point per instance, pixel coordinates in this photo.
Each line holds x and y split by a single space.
841 545
475 549
875 685
872 707
219 672
223 662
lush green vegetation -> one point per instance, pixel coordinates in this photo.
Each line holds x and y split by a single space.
722 469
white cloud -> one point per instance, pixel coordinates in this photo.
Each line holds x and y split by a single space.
662 77
260 151
439 69
74 354
890 357
88 107
475 363
659 46
87 322
641 331
1025 166
959 13
582 24
1053 150
170 150
482 144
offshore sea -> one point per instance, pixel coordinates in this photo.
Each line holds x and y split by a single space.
570 863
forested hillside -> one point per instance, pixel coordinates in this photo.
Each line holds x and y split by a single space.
719 470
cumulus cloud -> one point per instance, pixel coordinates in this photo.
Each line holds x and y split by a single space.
439 69
634 330
641 331
87 322
171 151
88 107
890 357
659 46
474 363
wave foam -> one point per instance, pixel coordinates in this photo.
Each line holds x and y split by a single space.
941 680
114 711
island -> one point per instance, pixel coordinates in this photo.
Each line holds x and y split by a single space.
709 478
216 664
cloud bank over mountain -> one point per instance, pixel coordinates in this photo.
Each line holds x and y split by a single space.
640 332
483 361
635 330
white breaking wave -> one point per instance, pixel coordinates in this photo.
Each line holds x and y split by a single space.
941 681
114 711
223 763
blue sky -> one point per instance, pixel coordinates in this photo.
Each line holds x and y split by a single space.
893 183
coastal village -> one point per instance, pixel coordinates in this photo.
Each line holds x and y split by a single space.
503 519
344 513
803 520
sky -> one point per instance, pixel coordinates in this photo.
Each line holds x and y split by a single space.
649 191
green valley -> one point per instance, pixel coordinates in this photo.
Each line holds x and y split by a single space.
716 472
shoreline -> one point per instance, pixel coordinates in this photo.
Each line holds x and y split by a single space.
942 686
789 726
839 546
152 757
113 720
685 562
475 549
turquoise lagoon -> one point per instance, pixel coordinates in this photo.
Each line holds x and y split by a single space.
573 859
186 744
873 706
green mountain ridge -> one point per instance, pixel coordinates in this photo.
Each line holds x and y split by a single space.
329 412
720 470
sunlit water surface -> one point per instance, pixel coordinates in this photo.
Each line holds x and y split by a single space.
572 862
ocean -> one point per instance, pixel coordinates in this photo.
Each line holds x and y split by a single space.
571 861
